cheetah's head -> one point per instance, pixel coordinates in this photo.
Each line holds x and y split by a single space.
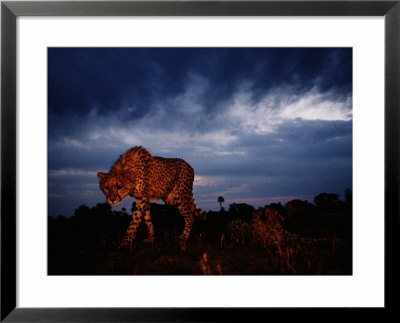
114 187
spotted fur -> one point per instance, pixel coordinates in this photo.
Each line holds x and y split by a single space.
138 174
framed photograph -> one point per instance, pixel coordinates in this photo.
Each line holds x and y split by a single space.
197 161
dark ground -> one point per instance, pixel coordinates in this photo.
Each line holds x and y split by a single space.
313 241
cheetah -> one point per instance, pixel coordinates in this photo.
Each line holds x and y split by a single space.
140 175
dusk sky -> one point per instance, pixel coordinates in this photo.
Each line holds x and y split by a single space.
258 125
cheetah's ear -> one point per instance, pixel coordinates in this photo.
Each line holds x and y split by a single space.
101 175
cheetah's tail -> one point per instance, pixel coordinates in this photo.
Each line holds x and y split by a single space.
200 214
196 211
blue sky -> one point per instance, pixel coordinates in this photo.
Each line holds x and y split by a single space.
258 125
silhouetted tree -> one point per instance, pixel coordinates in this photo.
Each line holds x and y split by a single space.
328 202
103 206
221 200
296 208
277 206
82 212
348 197
300 217
60 218
241 210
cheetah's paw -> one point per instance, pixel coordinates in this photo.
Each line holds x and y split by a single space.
126 245
182 242
149 240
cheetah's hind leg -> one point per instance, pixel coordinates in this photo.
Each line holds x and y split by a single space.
184 236
149 226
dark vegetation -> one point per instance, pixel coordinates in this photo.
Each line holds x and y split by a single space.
296 238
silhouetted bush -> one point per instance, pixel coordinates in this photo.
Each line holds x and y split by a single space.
290 236
241 211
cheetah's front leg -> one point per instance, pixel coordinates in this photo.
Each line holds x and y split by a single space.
142 205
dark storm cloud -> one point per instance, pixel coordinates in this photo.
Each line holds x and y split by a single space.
257 125
104 79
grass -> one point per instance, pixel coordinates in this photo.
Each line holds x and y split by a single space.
300 256
244 242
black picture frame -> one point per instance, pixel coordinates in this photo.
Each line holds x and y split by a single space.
10 10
